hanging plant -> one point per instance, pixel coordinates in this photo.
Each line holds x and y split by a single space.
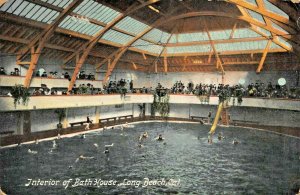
19 92
161 105
203 98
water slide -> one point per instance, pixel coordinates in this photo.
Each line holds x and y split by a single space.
216 120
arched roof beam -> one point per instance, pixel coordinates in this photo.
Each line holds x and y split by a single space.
38 43
122 50
98 36
263 12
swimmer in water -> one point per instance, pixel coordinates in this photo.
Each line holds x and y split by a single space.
210 139
83 136
32 151
106 151
81 157
54 145
160 138
220 137
145 134
140 145
235 142
126 125
96 145
87 126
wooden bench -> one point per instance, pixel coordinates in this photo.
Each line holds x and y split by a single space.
125 117
6 132
108 119
243 121
78 123
198 117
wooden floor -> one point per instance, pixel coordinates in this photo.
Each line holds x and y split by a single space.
14 139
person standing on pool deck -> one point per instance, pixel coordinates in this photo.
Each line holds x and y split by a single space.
209 117
88 120
87 126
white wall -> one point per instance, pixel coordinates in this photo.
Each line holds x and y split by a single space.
262 116
42 120
10 121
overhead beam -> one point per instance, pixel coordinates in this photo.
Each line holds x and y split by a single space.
98 36
279 50
263 12
236 40
49 30
204 13
40 42
232 31
274 37
91 20
218 62
261 63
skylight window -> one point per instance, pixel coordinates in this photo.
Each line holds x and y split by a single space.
117 37
147 46
256 16
244 33
189 37
189 49
157 35
272 8
252 2
132 25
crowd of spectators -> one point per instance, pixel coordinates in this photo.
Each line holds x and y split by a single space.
223 91
252 90
16 72
54 75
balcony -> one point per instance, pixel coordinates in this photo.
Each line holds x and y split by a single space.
9 81
64 101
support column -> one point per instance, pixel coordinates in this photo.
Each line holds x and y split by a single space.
65 120
19 130
132 107
225 116
26 122
97 114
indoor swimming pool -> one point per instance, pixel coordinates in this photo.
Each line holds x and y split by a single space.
262 163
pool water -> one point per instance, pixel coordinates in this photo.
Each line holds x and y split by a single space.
263 163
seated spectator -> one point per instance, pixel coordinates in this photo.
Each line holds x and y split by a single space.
44 74
66 75
91 77
54 92
37 74
17 72
55 75
82 75
50 75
